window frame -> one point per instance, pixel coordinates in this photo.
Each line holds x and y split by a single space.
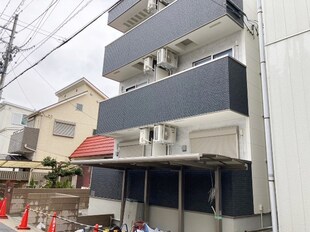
200 61
64 122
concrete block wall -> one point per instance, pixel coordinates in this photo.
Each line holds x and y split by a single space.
20 196
66 206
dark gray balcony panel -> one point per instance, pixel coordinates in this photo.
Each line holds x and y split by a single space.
216 86
173 22
121 9
24 141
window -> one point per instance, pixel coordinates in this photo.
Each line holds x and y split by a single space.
62 128
202 61
79 107
19 119
136 86
130 88
207 59
223 53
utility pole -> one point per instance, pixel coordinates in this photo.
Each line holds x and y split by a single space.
8 55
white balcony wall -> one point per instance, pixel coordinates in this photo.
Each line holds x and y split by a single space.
233 41
185 61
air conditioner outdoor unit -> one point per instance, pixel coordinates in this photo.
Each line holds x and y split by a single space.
148 64
144 136
151 6
167 59
164 134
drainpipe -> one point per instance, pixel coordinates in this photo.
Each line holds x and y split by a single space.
29 148
269 150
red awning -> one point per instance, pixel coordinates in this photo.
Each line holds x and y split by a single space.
95 146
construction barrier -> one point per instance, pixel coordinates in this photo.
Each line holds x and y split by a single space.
90 228
3 209
24 222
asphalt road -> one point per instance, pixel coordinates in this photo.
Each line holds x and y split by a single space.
4 228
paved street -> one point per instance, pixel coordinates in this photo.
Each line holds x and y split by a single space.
4 228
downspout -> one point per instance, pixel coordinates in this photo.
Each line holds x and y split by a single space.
29 148
269 150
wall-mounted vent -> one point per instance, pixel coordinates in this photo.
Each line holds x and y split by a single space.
126 24
138 17
135 20
130 22
142 14
187 43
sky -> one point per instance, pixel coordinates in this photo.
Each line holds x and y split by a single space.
81 57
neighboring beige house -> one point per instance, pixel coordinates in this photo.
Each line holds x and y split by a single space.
57 130
12 119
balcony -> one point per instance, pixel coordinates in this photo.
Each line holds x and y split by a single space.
24 142
201 22
128 14
216 87
21 176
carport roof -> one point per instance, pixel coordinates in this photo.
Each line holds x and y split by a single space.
201 161
21 164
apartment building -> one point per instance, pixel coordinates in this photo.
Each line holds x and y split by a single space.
12 119
287 55
58 129
187 123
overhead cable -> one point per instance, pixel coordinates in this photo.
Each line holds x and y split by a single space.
62 44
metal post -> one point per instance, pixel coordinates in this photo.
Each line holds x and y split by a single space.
218 200
123 203
7 55
146 197
269 150
181 203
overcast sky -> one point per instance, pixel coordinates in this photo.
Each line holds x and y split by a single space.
81 57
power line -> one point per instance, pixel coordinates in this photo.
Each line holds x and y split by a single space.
49 84
64 22
6 6
39 15
32 28
39 25
26 97
62 44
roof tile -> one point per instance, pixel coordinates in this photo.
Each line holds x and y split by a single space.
97 145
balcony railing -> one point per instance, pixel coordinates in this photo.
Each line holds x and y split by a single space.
24 141
216 86
170 24
21 176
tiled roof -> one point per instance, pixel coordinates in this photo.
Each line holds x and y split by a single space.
97 145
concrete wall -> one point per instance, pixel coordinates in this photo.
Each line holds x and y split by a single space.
20 197
287 46
65 206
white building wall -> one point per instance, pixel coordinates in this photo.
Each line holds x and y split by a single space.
288 51
7 128
185 61
256 123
